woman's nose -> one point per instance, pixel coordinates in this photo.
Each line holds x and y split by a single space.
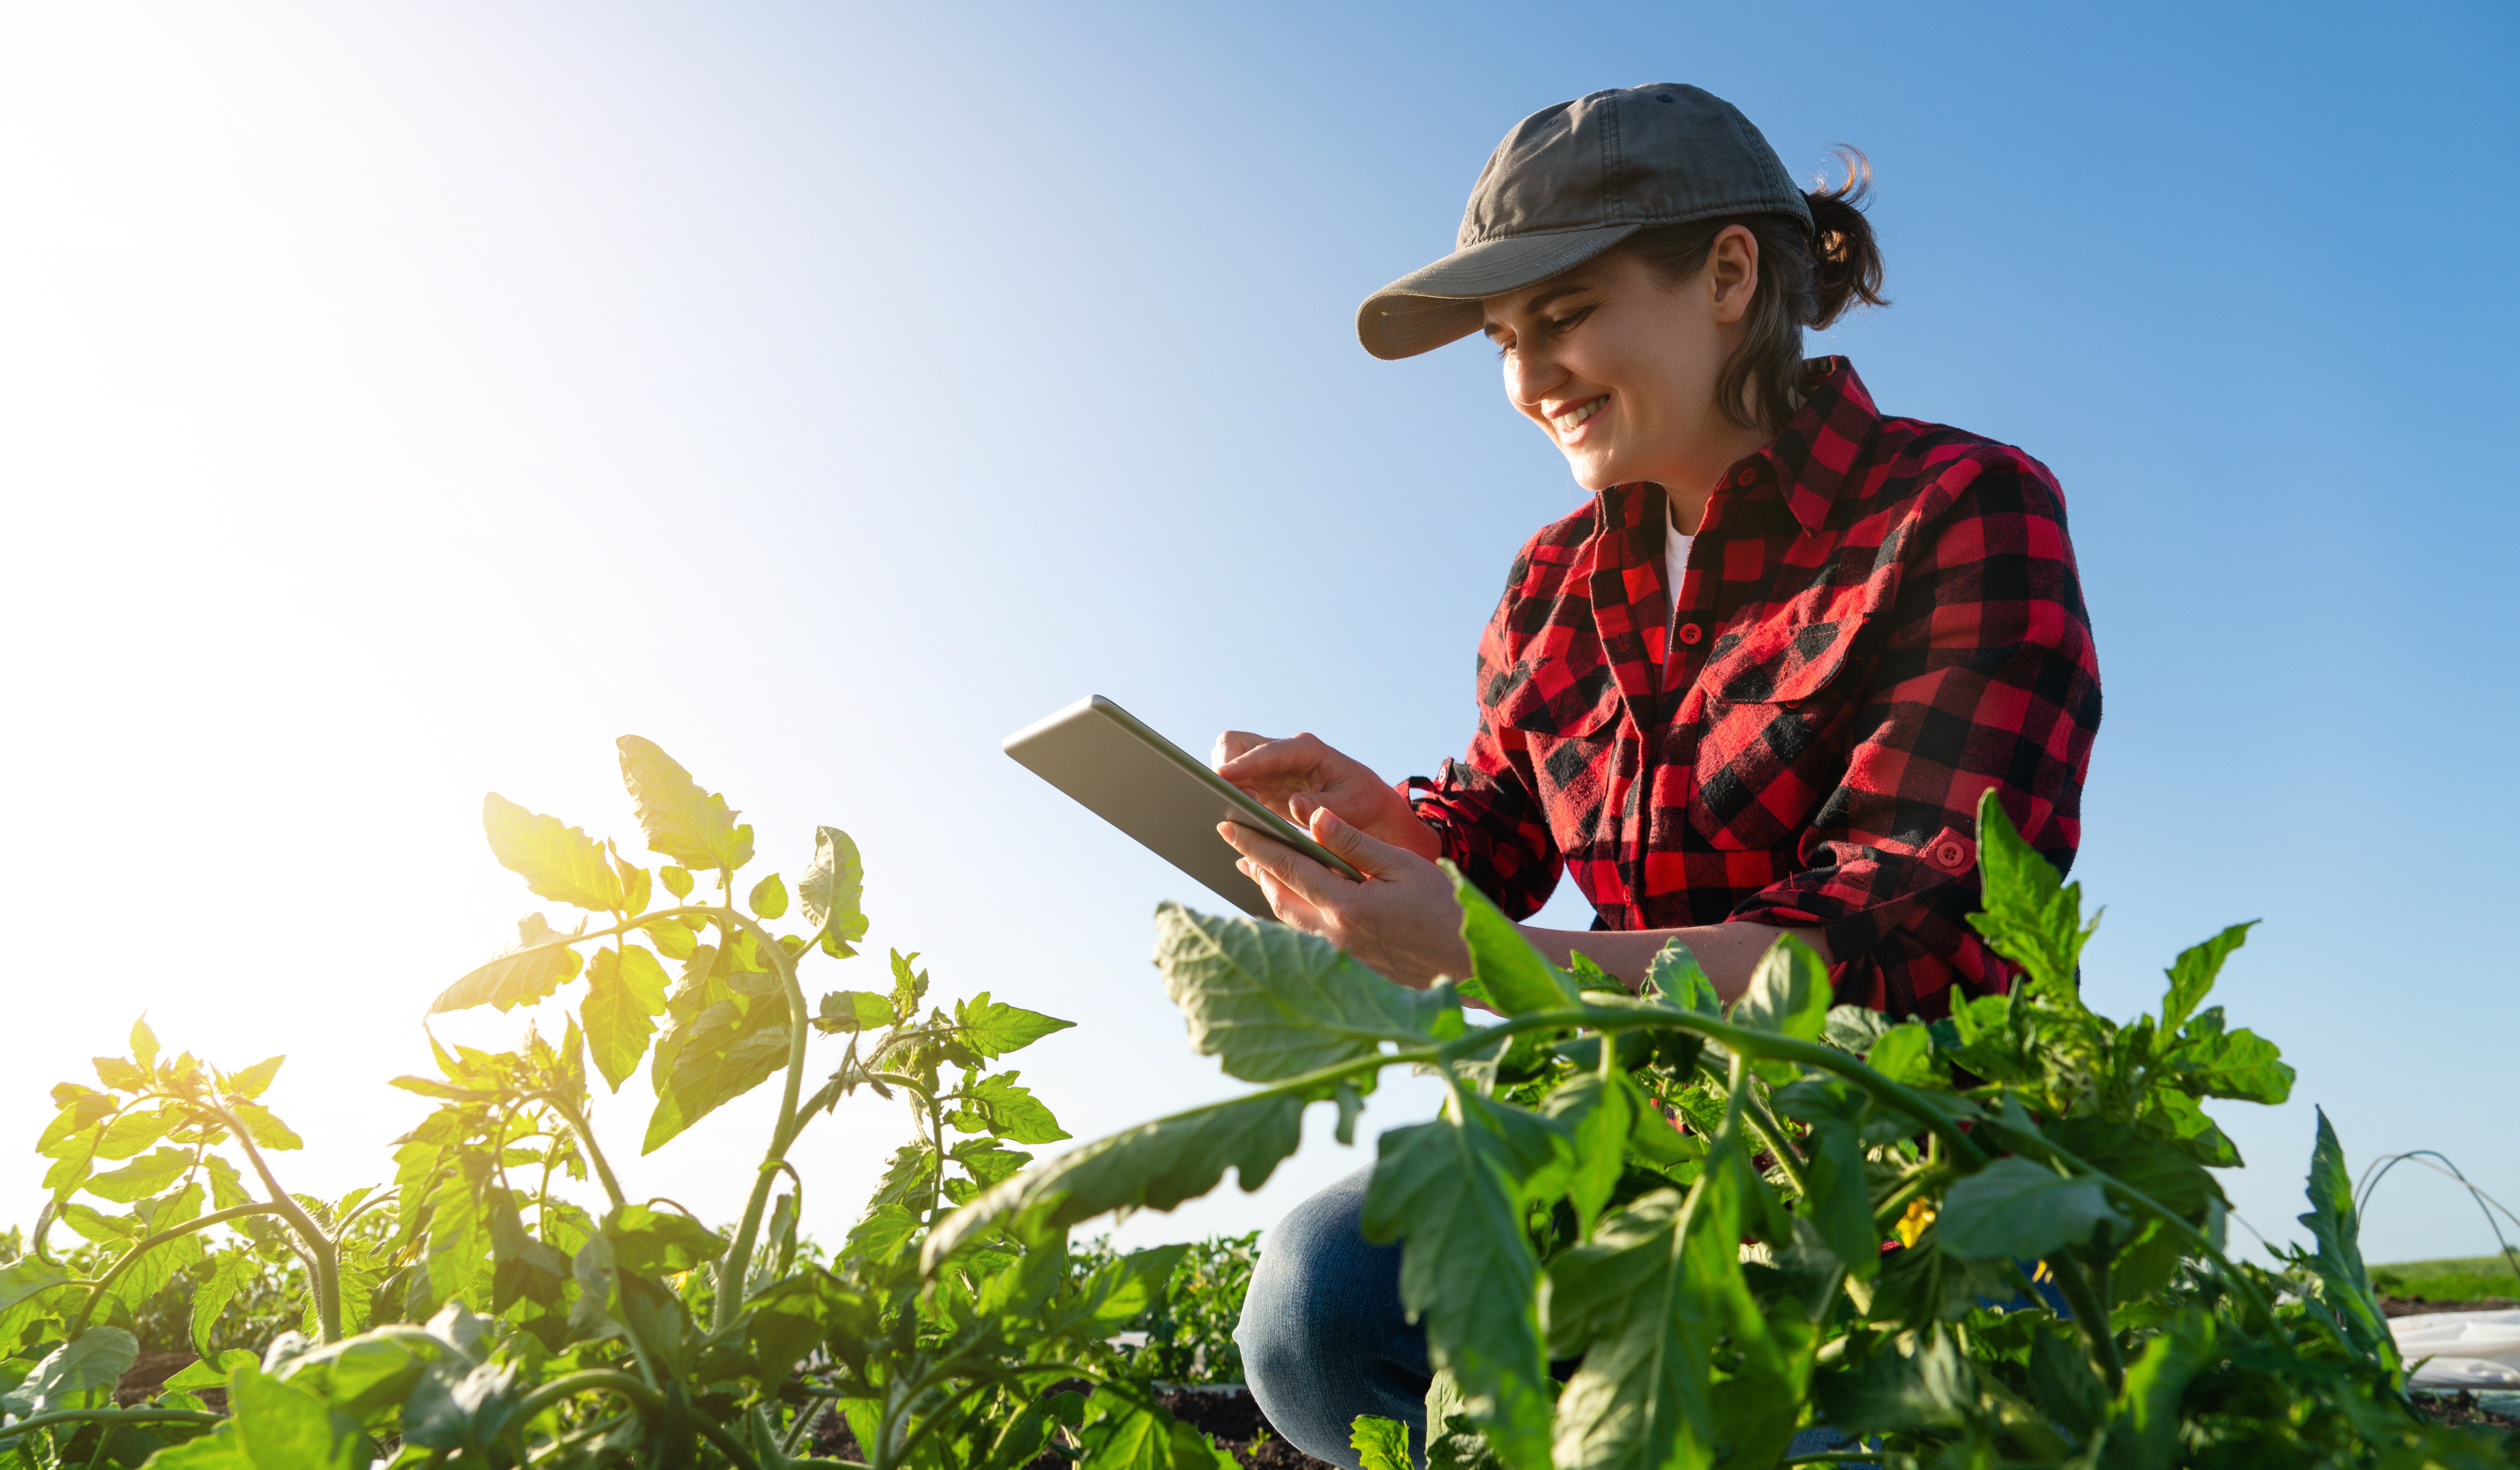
1529 378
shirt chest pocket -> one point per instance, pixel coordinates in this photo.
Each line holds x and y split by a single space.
1569 716
1769 748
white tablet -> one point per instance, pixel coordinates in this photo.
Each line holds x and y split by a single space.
1158 793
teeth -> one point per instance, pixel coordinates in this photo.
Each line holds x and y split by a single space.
1569 421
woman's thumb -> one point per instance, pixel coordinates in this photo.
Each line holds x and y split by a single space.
1368 855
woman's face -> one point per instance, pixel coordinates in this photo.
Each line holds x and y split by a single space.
1619 368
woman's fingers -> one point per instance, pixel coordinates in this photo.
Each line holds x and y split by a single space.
1308 880
1368 855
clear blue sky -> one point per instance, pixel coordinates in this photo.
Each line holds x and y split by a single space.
400 402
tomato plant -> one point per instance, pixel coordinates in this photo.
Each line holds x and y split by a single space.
475 1312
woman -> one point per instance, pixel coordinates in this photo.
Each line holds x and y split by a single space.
1757 684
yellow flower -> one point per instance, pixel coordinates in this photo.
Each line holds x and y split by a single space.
1913 1224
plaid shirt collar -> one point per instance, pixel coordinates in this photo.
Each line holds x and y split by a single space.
1818 450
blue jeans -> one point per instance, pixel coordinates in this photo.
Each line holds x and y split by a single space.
1324 1339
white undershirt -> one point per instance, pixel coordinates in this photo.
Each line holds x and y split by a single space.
1675 563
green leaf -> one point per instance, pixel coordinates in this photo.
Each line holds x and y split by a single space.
212 1293
2345 1286
133 1131
1654 1303
1452 1192
212 1369
1788 995
769 898
792 1318
636 889
1154 1166
144 1044
2161 1171
1905 1054
267 1131
535 966
659 1242
997 1106
1380 1443
722 1053
1123 1434
2024 1211
1514 978
1598 1115
459 1233
94 1360
2193 973
83 1111
558 863
1271 1002
2208 1061
678 882
145 1177
832 892
1904 1384
625 992
1677 977
993 1028
251 1082
682 821
283 1427
850 1011
1839 1204
672 938
2179 1116
2032 916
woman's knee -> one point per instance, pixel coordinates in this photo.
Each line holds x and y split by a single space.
1324 1336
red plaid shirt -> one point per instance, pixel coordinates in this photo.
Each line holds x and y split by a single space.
1880 621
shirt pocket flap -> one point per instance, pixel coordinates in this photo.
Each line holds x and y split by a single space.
1781 665
1545 697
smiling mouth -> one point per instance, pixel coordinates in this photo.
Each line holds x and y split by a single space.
1577 417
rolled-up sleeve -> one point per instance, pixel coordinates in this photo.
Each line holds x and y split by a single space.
1986 677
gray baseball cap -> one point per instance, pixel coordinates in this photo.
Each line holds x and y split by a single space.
1568 183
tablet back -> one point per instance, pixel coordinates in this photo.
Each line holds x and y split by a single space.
1148 787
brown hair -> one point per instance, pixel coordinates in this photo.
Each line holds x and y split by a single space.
1806 279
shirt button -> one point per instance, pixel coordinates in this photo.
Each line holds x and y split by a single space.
1749 477
1689 634
1948 855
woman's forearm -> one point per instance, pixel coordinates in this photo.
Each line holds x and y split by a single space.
1728 953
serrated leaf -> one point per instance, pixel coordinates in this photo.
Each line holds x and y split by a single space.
1154 1166
82 1112
993 1028
673 939
142 1178
558 863
1271 1002
2017 1209
1788 995
144 1044
459 1233
678 882
1839 1204
267 1131
659 1242
283 1427
1653 1304
251 1082
1380 1443
1513 976
995 1104
693 828
2210 1062
1452 1192
1598 1115
94 1360
832 891
212 1293
1675 977
2030 914
539 963
625 992
2192 975
1905 1054
719 1055
769 898
850 1011
2345 1286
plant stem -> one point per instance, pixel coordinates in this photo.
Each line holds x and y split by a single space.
96 1291
1779 1147
647 1400
586 1136
326 1272
737 1264
10 1435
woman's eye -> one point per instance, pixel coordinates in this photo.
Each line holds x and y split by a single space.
1561 326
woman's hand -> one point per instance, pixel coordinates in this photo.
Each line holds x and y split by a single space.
1295 776
1401 922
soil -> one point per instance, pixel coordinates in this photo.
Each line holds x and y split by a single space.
151 1372
2460 1408
1227 1415
2412 1306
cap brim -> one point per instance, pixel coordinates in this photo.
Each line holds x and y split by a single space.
1424 309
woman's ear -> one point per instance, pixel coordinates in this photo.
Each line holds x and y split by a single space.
1731 274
